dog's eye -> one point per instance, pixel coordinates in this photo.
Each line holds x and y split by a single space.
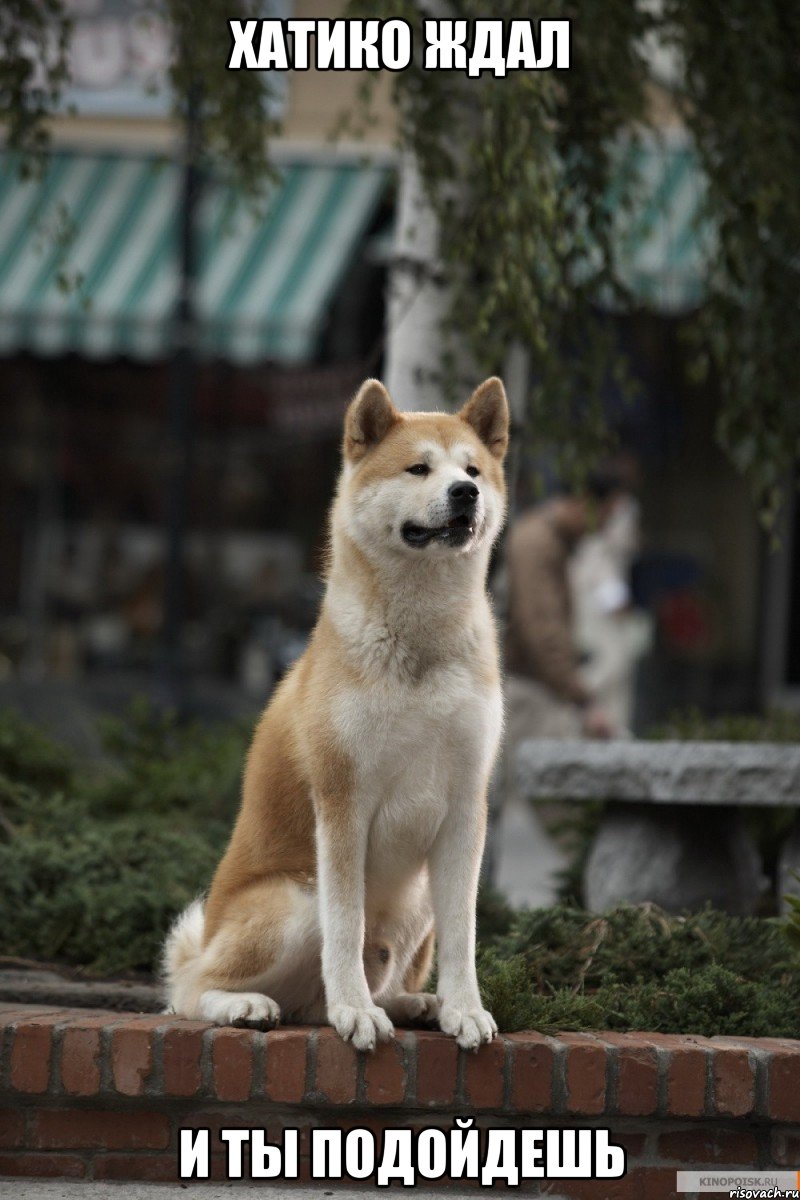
472 471
419 469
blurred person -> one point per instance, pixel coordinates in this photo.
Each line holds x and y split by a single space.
611 634
547 695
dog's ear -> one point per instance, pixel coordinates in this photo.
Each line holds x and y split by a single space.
487 412
369 418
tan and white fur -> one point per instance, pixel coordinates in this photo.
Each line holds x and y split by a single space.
363 813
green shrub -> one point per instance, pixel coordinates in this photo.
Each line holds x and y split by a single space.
691 725
495 915
160 765
30 756
95 863
567 947
710 1002
101 894
637 968
792 922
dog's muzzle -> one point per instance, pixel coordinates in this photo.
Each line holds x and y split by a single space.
462 498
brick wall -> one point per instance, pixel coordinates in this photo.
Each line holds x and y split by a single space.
104 1095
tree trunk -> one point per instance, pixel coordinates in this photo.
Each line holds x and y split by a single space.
417 300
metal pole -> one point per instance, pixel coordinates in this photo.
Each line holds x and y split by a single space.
516 374
182 381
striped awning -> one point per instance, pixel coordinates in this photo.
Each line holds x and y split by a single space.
663 246
89 257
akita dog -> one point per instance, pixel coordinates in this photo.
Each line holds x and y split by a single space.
363 814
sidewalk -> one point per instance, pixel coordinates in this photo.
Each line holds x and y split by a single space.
60 1189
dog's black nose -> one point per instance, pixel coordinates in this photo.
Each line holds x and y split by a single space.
462 494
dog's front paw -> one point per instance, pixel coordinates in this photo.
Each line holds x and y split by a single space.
413 1006
469 1026
249 1009
361 1026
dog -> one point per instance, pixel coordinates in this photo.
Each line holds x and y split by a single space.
363 812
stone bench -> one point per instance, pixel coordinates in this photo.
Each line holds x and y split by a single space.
672 832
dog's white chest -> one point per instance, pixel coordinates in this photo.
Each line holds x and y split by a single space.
415 750
392 731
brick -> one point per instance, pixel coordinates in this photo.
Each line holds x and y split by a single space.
437 1063
232 1063
785 1148
632 1143
78 1129
637 1074
10 1013
733 1083
585 1074
182 1053
379 1121
337 1068
304 1173
784 1085
644 1183
709 1146
12 1128
80 1017
532 1064
687 1071
302 1124
724 1042
285 1077
41 1166
385 1073
627 1188
247 1116
31 1054
131 1058
222 1118
90 1019
656 1183
484 1082
149 1168
80 1061
770 1044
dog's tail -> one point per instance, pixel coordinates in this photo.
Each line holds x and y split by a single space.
182 950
